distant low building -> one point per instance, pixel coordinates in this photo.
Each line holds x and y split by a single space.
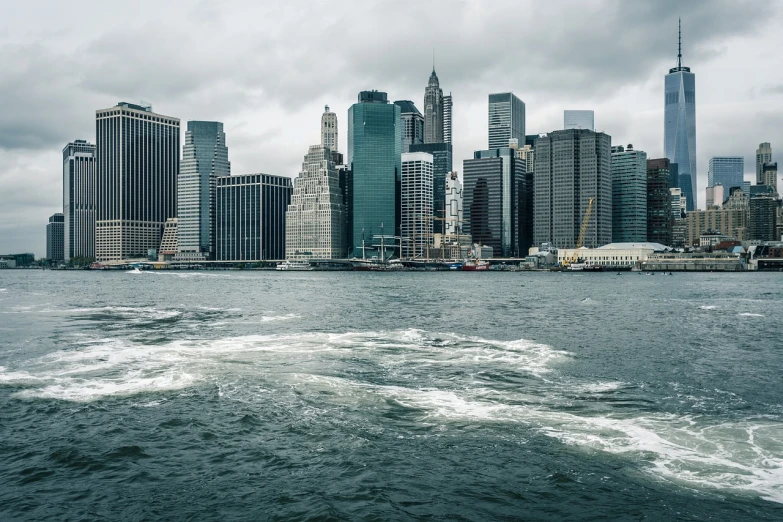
731 223
613 255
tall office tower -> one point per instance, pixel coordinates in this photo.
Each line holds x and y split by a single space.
659 202
629 195
412 124
490 199
345 180
448 105
715 196
442 163
79 200
506 120
573 166
137 154
204 159
579 120
433 110
250 217
55 238
329 130
374 150
416 201
763 155
769 174
677 202
763 216
728 171
453 220
679 136
315 217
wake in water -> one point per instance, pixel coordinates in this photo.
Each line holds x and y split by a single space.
438 379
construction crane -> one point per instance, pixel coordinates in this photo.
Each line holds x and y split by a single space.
582 230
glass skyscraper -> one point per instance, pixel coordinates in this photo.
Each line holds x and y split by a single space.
728 171
204 159
579 120
442 162
629 195
679 135
79 199
412 124
374 153
137 155
506 120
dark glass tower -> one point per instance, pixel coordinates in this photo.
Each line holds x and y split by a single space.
659 206
679 135
79 199
374 152
506 119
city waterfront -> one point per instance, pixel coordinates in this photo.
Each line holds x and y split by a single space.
342 395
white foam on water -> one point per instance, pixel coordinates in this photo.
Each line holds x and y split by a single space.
3 289
286 317
708 307
601 387
748 314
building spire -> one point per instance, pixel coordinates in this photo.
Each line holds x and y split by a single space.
679 42
433 60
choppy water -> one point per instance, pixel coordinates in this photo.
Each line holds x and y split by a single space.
245 395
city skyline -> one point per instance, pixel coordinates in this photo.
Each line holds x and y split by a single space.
626 97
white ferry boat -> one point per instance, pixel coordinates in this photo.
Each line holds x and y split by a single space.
294 265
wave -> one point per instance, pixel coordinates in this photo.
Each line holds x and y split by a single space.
708 307
748 314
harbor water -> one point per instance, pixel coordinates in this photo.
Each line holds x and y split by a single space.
242 395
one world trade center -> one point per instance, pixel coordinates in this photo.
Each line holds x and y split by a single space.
679 140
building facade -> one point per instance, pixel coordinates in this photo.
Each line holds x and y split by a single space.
79 200
250 217
204 159
453 216
769 174
629 195
763 216
329 135
571 167
715 196
137 166
679 135
763 155
416 200
412 124
448 105
442 159
579 120
506 118
728 171
315 217
659 202
731 223
374 152
55 238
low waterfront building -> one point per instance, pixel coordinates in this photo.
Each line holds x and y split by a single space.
732 223
694 262
250 211
613 255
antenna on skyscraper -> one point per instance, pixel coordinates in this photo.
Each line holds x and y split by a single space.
679 42
433 59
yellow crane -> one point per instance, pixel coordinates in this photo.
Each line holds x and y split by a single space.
582 230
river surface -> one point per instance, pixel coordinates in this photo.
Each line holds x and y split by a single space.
238 395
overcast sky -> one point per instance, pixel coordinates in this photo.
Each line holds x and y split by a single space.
266 69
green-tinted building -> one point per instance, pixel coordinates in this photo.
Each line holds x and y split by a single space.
374 149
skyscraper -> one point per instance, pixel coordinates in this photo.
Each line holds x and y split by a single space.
579 120
250 217
448 104
433 110
314 219
659 202
374 150
416 200
204 159
453 219
728 171
763 155
137 166
329 130
412 124
763 216
79 200
442 162
506 119
573 166
680 122
55 238
769 174
629 195
715 195
490 199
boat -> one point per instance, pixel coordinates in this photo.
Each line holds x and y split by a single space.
475 265
294 265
